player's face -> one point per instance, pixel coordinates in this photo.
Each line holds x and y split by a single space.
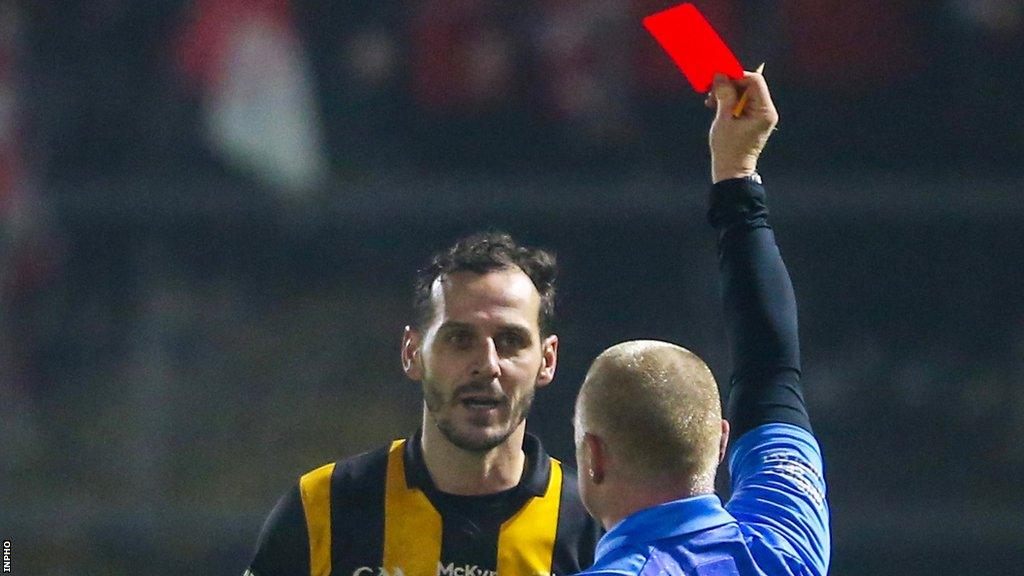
482 357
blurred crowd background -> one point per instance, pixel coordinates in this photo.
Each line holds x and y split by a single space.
211 212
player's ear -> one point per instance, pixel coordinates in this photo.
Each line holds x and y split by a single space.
723 442
597 465
412 357
549 356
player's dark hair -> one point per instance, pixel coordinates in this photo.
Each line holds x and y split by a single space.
486 252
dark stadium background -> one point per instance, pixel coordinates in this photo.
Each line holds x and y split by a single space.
194 313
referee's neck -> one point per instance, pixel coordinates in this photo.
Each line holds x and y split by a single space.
623 499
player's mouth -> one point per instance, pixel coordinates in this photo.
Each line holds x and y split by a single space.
479 402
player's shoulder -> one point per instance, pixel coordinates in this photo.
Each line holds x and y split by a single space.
569 487
354 485
577 531
569 473
365 468
572 502
543 464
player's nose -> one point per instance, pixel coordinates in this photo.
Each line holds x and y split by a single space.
486 363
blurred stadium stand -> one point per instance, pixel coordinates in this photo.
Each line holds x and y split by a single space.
212 211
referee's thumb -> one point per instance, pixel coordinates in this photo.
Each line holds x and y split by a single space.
725 93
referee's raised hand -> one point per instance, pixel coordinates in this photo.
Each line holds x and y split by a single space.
736 143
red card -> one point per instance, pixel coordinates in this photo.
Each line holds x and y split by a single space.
693 44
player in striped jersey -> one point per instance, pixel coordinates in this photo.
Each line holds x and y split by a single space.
470 494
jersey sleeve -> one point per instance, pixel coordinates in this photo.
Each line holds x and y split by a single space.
778 485
283 547
760 311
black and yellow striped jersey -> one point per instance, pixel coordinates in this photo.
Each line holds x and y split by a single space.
379 514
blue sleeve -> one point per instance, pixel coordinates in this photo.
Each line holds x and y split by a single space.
778 492
760 311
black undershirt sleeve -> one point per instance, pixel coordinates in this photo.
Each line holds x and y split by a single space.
760 311
283 548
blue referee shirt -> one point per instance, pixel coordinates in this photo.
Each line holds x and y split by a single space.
776 522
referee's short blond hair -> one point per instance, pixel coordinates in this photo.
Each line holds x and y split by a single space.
657 408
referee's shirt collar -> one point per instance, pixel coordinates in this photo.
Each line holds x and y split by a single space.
675 518
534 482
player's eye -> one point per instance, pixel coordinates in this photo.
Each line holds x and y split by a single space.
459 338
511 341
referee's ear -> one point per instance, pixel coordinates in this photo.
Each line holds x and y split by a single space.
597 458
723 442
412 360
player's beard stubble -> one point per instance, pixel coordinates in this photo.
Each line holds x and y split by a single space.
466 435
